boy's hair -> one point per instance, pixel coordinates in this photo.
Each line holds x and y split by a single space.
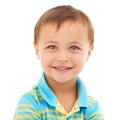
60 14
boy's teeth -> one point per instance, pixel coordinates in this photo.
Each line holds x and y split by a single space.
62 68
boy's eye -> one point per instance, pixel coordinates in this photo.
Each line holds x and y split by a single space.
51 47
74 48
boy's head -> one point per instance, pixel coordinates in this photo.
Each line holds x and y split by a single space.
61 14
63 42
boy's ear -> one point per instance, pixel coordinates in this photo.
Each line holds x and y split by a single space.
89 52
36 50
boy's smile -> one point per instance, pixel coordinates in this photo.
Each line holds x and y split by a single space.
62 69
63 53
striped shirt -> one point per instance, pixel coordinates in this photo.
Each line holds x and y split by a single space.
42 104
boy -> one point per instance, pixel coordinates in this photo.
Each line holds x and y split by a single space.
63 41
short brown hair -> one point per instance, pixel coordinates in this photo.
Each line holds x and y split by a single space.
58 15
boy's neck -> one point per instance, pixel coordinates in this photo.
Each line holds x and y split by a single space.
66 93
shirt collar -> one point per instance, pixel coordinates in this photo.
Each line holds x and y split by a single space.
82 93
46 92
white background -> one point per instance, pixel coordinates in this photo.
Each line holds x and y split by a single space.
20 69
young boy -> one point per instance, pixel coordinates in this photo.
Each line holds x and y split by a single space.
63 41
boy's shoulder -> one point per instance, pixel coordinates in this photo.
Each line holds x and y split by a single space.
35 93
93 108
92 103
29 104
31 97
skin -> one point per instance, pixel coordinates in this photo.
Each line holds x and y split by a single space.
62 55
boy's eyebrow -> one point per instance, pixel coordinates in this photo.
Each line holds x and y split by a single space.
50 42
75 42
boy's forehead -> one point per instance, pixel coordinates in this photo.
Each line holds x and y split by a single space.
55 27
49 26
67 29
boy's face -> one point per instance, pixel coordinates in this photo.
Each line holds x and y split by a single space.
63 53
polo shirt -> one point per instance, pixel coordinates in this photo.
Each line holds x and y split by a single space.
40 103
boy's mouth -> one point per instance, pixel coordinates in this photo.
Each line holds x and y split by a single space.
62 68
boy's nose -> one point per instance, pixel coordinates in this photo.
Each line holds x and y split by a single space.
63 57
